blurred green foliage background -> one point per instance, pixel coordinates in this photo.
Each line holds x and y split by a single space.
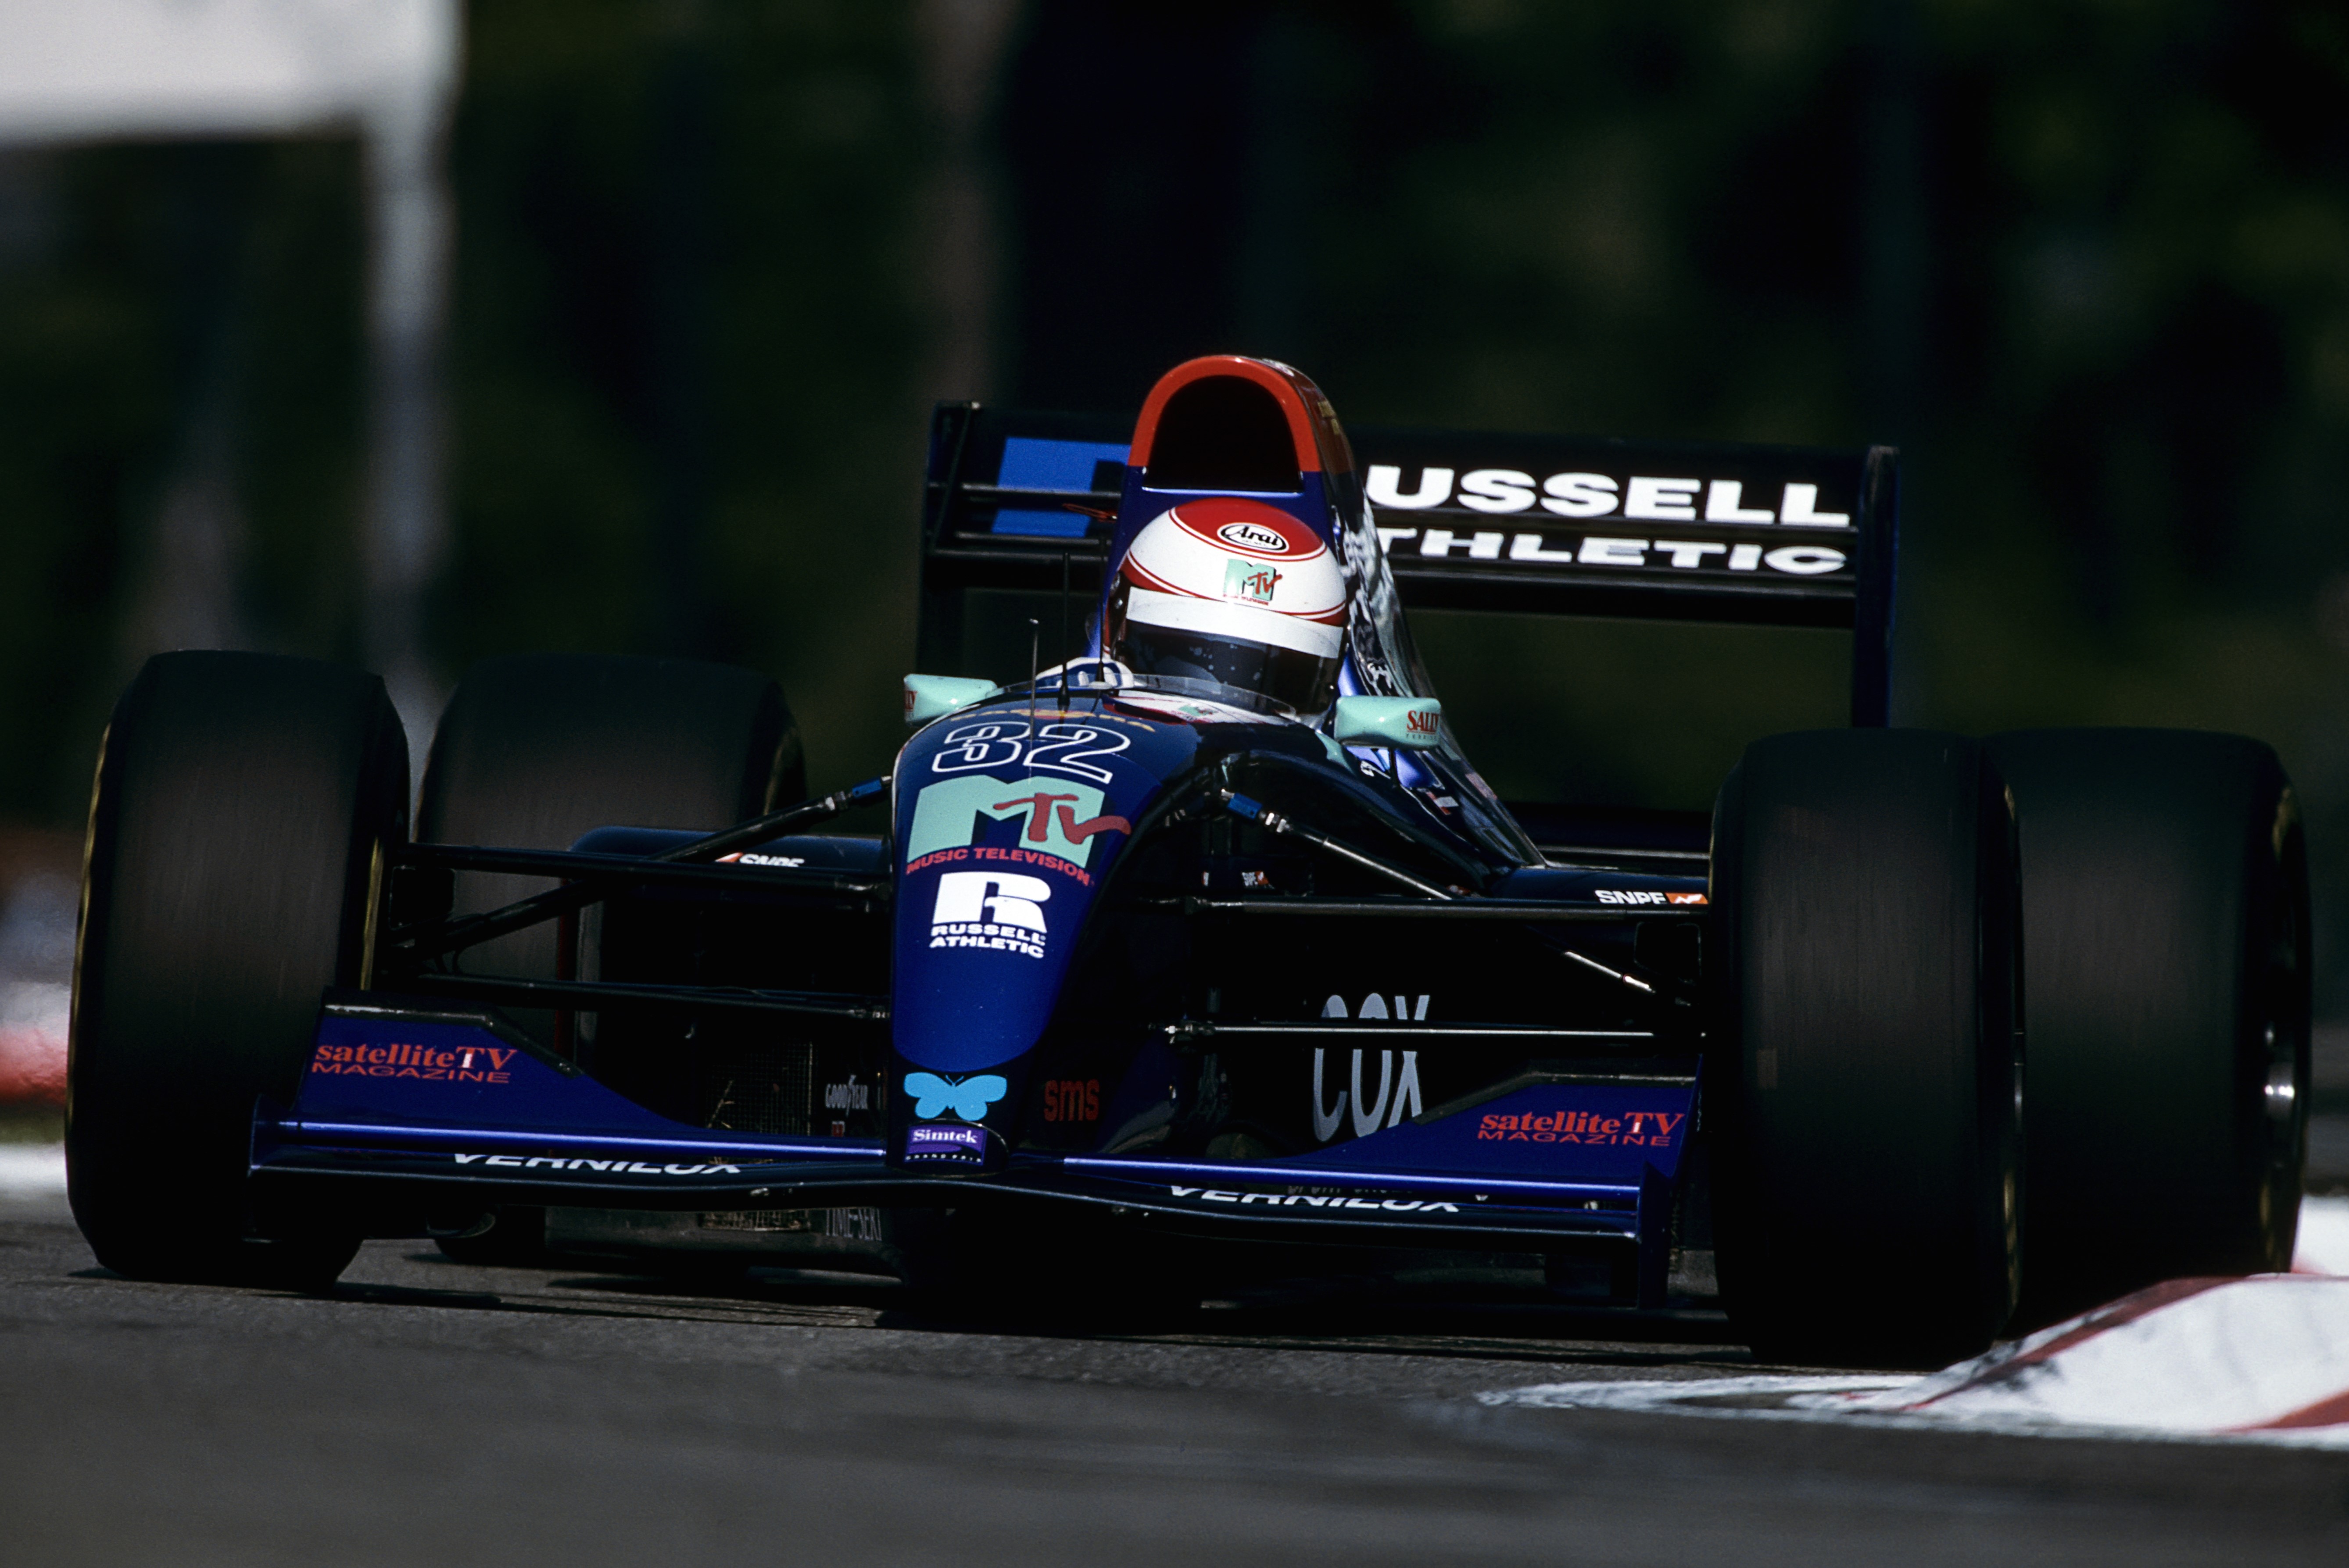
2086 261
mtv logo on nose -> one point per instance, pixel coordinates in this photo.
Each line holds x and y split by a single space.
1001 911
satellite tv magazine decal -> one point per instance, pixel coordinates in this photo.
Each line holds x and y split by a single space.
464 1064
1654 1128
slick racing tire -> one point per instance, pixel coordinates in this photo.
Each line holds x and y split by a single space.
1869 1194
238 829
536 749
2165 948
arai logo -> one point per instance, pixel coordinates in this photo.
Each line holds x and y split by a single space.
1253 536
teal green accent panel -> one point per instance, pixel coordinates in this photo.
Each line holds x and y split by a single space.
931 696
1414 723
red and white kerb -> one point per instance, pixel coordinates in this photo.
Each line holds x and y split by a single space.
1241 569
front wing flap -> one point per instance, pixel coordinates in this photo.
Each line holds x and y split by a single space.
443 1108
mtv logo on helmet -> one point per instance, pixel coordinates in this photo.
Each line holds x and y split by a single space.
1000 911
1251 581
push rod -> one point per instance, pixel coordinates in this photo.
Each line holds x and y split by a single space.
1464 1033
1450 909
1272 821
1445 900
433 939
575 865
590 995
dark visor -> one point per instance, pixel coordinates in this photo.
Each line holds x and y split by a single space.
1298 681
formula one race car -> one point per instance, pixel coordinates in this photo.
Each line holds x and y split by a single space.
1209 935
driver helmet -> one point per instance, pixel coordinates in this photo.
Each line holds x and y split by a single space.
1233 595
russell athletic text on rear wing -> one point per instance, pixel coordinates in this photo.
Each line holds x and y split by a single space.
1787 536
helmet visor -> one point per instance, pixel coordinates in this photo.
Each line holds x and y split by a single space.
1210 665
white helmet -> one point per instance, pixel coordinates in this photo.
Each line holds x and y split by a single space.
1231 594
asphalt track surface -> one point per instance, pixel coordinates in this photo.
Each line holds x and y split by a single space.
432 1412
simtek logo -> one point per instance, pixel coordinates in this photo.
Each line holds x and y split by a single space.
945 1140
1654 1128
466 1064
998 909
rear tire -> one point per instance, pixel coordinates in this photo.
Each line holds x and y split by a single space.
237 829
1867 1195
536 749
2165 886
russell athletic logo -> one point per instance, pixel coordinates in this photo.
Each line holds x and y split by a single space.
464 1064
1000 911
1653 1128
1641 497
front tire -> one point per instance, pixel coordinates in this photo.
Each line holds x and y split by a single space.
536 749
244 808
1869 1191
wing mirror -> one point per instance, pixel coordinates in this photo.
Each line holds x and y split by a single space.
1413 723
934 696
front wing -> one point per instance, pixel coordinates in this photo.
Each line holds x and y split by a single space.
417 1107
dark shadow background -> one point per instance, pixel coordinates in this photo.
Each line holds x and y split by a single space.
2088 265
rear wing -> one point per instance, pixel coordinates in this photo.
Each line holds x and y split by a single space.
1781 536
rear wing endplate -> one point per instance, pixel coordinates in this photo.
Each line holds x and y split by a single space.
1781 536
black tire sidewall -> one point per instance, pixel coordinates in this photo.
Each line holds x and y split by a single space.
240 804
1863 1094
2166 918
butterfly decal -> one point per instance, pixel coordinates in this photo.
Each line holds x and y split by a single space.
934 1095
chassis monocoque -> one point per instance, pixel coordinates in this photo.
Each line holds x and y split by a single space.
1913 1029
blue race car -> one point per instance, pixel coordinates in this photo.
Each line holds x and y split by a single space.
1203 932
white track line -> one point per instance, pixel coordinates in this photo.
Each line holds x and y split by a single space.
2264 1359
1786 1398
2323 1247
32 1170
